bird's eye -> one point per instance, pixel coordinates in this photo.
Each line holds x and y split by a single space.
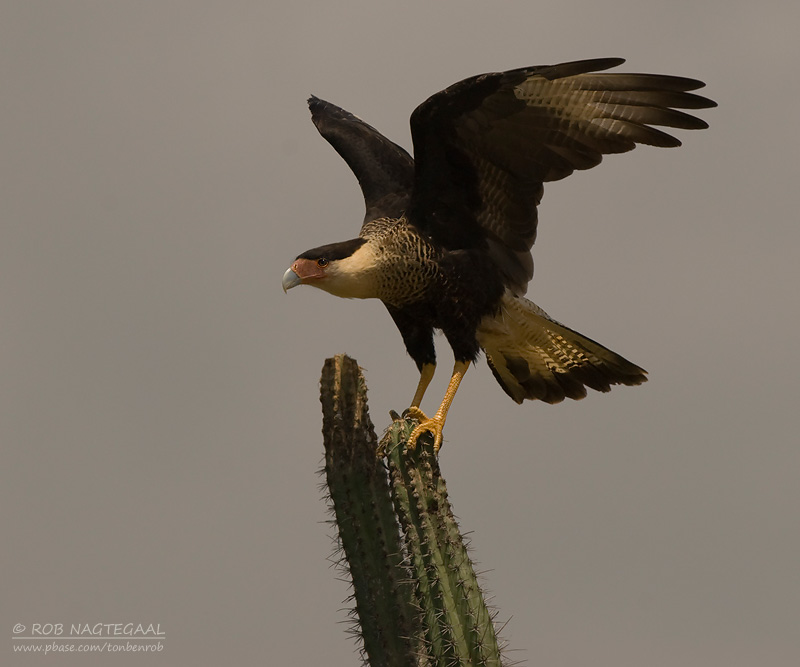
322 262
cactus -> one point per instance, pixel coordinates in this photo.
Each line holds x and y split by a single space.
363 512
416 593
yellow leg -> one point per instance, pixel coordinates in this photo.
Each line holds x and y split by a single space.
425 377
435 424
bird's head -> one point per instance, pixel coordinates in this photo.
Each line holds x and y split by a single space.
343 269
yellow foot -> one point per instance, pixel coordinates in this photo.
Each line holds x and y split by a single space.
433 424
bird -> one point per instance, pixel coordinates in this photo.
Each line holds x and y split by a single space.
446 239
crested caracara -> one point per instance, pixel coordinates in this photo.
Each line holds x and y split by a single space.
446 239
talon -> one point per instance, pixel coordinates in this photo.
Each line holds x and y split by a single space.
433 425
415 413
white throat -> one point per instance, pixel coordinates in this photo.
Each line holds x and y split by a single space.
354 277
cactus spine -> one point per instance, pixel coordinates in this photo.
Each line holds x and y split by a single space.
418 601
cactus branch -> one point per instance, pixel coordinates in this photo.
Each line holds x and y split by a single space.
418 601
368 531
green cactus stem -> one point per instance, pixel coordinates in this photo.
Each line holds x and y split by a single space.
367 528
418 601
458 625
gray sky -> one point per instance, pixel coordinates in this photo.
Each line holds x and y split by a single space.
159 413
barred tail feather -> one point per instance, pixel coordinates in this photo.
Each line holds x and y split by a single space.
535 357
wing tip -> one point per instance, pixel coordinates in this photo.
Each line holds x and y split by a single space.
573 67
606 63
323 111
316 106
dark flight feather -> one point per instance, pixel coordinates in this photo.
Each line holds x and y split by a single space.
485 146
384 170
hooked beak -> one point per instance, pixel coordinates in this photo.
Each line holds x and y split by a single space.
290 279
303 272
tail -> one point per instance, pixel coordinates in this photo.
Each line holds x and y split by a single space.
535 357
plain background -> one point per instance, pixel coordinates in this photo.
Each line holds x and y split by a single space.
159 413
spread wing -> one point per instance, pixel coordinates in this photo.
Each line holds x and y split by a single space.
484 147
384 170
